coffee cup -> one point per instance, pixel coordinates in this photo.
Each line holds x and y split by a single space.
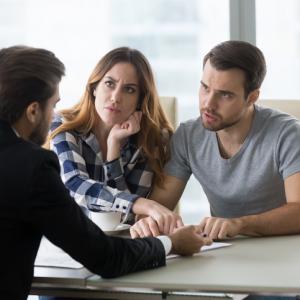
106 220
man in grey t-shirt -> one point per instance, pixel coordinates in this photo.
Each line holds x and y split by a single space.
246 157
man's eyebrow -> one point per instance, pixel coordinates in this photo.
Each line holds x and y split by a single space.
203 83
225 92
219 91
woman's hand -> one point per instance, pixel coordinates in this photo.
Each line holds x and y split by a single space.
160 219
144 227
119 132
129 127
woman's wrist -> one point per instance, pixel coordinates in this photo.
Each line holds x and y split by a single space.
113 150
142 206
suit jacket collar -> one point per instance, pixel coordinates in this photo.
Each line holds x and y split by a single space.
7 135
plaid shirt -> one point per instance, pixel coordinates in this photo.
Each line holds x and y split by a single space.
99 185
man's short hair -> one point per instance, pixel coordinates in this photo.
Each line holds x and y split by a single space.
26 75
240 55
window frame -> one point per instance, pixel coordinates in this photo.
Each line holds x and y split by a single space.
242 17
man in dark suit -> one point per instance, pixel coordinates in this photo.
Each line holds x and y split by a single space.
34 201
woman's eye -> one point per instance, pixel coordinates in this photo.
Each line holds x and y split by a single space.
130 89
109 83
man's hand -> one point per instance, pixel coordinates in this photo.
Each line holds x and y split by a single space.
161 220
188 240
220 228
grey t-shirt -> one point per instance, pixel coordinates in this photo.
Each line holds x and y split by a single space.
250 182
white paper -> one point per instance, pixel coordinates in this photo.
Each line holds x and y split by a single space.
51 256
214 245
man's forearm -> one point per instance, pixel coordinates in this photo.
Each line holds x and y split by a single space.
281 220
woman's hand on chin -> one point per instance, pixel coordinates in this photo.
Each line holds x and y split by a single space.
131 126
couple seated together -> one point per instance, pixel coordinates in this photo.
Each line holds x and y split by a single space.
116 147
117 152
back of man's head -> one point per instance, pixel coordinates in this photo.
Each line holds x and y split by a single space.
240 55
26 75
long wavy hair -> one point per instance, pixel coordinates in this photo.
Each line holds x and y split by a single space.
153 142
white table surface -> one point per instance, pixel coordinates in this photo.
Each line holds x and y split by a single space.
268 265
250 265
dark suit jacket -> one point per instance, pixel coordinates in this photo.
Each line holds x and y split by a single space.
34 202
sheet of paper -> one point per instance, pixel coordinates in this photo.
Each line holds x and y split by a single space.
214 245
51 256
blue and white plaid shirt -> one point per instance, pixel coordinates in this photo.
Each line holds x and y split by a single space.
99 185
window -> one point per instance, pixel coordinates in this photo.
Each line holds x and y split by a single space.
173 34
278 36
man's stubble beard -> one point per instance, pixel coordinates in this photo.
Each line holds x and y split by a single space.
39 134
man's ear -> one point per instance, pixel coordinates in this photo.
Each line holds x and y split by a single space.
253 97
33 112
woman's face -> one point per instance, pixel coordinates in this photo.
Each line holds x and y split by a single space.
117 94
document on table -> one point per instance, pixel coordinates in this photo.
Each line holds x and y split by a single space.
51 256
214 245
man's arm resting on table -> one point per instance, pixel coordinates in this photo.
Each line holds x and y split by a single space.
56 215
170 193
278 221
281 220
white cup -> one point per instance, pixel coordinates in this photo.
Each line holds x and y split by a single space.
106 220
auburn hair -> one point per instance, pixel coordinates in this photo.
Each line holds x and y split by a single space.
156 130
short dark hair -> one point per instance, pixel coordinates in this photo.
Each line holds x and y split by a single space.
240 55
27 74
